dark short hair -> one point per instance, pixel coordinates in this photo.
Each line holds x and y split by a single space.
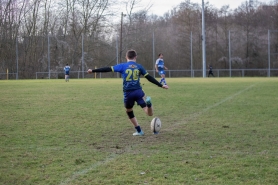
131 54
159 54
67 64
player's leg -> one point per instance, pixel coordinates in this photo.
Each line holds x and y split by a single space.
161 80
163 77
133 120
145 103
131 117
129 103
67 74
147 107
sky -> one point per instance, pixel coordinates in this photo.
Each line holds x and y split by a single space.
160 7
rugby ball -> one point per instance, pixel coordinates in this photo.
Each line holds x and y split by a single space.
155 125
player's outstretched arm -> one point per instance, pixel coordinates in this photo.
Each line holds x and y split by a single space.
154 81
103 69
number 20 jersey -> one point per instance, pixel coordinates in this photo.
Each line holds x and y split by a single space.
131 72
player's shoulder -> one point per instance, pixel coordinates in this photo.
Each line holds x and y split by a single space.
120 64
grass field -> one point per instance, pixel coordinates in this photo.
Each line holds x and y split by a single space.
214 131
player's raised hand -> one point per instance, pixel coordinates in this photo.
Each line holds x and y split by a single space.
89 71
165 87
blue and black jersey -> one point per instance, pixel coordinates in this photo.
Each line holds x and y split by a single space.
130 72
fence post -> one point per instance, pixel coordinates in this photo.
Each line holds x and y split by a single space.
7 74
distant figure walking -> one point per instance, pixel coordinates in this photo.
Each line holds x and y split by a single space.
210 71
67 70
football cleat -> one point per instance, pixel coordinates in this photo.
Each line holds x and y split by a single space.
139 133
148 100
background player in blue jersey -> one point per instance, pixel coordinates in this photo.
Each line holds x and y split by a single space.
67 70
159 67
132 89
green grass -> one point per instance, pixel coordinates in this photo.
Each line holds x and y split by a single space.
214 131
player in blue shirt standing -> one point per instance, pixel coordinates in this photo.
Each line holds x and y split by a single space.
159 67
132 89
67 70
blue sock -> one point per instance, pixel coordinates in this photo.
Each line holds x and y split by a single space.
138 128
164 81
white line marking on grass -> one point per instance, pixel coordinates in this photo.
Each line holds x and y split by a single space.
226 99
93 166
108 159
197 114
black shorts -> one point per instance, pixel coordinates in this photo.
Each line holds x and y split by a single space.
131 97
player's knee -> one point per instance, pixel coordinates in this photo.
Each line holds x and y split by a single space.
130 114
143 105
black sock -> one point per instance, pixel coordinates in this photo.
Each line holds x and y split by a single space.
138 128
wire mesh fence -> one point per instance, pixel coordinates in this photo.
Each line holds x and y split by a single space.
169 74
7 76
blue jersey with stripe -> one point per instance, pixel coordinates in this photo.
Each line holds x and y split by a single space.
130 72
160 64
67 69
